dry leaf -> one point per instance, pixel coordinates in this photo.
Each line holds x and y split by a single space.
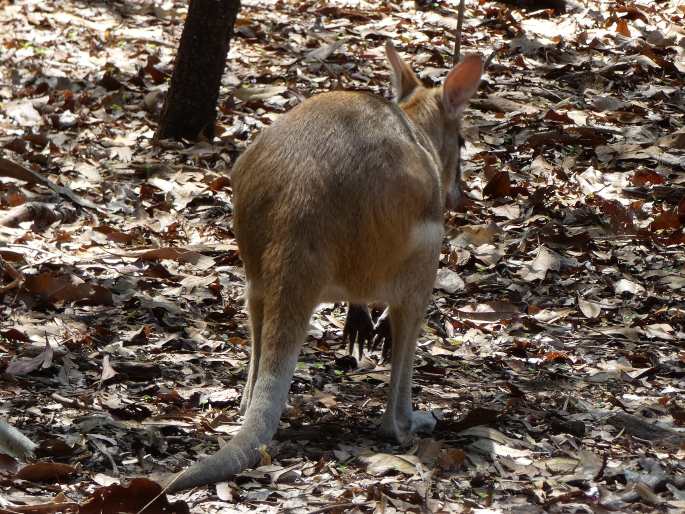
588 308
43 360
253 94
131 499
55 288
107 370
545 260
51 472
451 459
449 281
622 27
381 463
627 286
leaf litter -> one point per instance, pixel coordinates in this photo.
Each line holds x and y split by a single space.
553 348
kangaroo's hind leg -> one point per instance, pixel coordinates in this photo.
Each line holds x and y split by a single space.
285 322
406 316
255 306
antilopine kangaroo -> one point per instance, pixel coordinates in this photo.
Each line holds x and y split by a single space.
340 199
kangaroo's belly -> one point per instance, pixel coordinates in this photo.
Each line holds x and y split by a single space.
380 279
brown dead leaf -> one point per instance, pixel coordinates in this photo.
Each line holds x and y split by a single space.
55 288
141 337
220 183
54 447
131 499
325 399
556 357
137 371
11 256
115 235
645 176
15 335
499 103
620 217
475 235
43 360
588 136
8 464
489 312
499 186
674 140
451 459
7 270
49 472
666 220
678 414
622 27
559 117
428 451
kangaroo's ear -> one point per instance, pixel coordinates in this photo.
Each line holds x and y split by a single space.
404 80
461 83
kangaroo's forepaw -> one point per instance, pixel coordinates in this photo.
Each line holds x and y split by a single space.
358 328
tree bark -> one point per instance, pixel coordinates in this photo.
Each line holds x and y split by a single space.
189 110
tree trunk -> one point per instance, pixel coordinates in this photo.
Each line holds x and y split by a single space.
190 106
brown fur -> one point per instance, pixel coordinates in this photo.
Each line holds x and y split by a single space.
341 199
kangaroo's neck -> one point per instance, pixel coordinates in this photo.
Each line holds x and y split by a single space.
435 132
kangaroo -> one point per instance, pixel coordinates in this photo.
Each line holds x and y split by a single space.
341 199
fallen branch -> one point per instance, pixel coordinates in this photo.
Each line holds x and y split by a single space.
69 402
16 171
41 215
641 429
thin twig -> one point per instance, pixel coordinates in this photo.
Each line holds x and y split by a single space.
367 372
333 506
17 276
457 40
70 402
162 492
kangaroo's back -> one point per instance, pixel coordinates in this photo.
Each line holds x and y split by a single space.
354 157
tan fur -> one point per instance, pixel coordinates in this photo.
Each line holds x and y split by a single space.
341 199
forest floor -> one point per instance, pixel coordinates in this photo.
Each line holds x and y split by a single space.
554 346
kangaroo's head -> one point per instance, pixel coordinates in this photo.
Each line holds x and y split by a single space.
438 111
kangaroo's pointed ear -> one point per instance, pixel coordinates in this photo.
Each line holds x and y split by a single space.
404 80
461 83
